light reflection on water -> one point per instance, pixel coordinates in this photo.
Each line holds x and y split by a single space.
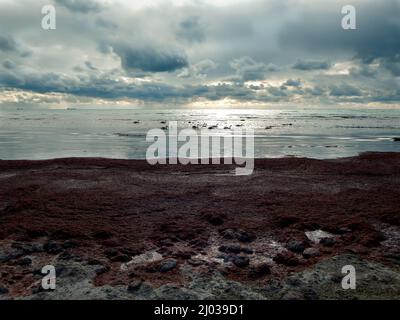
322 133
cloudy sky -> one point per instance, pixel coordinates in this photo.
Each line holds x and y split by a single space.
212 53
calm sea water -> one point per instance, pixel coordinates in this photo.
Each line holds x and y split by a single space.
316 133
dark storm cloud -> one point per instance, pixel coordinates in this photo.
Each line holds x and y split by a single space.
253 50
345 90
80 6
98 86
150 59
311 65
9 45
292 83
377 37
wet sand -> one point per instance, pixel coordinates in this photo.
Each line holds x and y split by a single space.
122 229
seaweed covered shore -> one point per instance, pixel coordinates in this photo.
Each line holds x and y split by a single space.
123 229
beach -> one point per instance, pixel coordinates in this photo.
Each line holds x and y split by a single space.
123 229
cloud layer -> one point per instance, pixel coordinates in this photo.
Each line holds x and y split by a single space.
245 52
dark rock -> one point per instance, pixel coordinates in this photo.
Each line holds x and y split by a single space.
286 258
245 236
296 246
239 235
52 247
396 139
226 257
241 261
167 265
228 234
327 242
310 253
232 248
134 285
3 290
247 250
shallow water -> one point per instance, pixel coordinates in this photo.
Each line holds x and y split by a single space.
314 133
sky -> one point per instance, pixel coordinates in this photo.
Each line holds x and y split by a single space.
200 53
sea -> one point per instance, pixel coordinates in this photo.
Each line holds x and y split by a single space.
322 133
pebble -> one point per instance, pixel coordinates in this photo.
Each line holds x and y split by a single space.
241 261
296 246
3 290
239 235
232 248
167 265
310 252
